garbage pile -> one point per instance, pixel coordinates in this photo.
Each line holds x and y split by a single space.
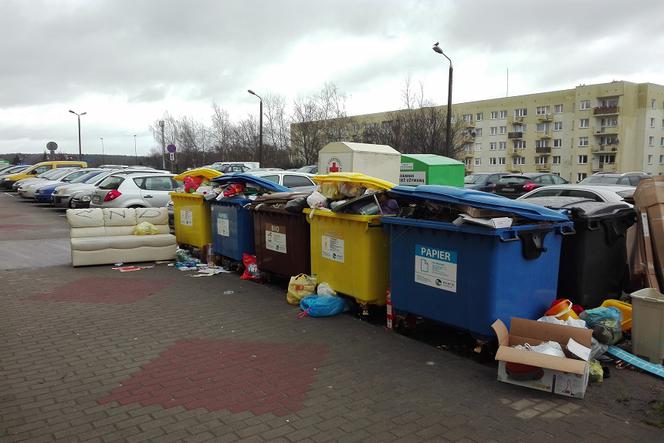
352 193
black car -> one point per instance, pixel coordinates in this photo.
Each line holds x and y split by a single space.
482 181
612 179
515 185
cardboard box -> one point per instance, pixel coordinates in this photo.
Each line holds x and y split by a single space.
649 198
566 376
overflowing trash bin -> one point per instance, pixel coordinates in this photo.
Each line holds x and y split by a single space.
232 222
349 249
593 263
465 271
191 212
281 234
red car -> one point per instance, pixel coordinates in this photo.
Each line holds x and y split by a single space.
516 185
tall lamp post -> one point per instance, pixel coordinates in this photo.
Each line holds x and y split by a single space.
163 146
448 133
260 128
78 116
135 151
102 149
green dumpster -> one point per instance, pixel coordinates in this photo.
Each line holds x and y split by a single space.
430 169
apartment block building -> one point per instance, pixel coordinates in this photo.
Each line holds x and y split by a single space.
608 127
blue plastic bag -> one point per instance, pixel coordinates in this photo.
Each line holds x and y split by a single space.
321 306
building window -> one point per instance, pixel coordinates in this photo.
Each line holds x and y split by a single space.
519 144
610 122
650 159
557 126
502 146
652 103
607 158
558 109
541 127
501 160
520 112
541 159
652 122
493 130
582 159
503 114
556 159
478 147
583 141
494 115
492 146
580 176
478 132
661 141
557 142
585 104
518 160
479 116
663 123
542 110
661 159
651 141
468 118
478 162
492 161
542 143
584 123
503 129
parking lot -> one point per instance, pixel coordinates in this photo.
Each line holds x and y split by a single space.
91 354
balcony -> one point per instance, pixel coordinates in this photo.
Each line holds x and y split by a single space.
515 134
543 166
515 151
544 135
516 120
605 148
468 154
606 110
543 150
603 130
469 167
605 167
469 124
545 117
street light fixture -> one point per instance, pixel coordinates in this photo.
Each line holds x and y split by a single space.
448 133
260 128
78 116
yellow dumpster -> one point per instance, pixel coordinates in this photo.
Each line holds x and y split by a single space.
350 251
191 213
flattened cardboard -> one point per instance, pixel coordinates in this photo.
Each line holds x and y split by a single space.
649 198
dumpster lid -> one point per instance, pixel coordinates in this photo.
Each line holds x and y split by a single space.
358 178
582 207
198 172
430 159
250 179
478 199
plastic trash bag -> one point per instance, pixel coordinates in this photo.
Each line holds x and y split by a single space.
596 372
251 271
321 306
605 323
317 200
145 228
299 287
547 347
577 323
330 190
324 289
296 205
192 183
351 189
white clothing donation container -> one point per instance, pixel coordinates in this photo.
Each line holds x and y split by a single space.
379 161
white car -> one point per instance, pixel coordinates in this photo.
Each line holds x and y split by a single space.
79 195
594 193
27 190
48 175
297 181
136 190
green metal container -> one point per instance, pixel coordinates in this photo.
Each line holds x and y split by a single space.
430 169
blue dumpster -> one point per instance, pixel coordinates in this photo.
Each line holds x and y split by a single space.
468 276
231 218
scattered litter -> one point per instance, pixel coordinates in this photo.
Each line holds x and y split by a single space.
163 262
118 264
635 361
131 268
229 292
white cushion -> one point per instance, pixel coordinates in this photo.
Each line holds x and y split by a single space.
84 218
89 243
119 216
156 216
133 241
97 231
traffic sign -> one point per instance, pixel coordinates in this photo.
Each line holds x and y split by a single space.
171 148
171 156
51 146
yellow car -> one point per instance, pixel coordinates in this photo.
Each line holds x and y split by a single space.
37 169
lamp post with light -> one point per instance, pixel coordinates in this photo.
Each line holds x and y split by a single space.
78 116
260 127
102 149
448 133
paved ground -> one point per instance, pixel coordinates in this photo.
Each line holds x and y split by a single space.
92 354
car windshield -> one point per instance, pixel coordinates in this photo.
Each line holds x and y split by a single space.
474 179
68 178
85 177
601 180
512 180
14 170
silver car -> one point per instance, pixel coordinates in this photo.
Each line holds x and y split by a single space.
137 190
27 190
297 181
79 195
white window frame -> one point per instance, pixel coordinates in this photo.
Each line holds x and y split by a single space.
557 126
478 161
494 115
582 159
502 146
584 123
557 142
493 130
502 129
501 160
493 161
503 114
478 132
493 146
542 110
584 105
478 147
519 160
521 112
479 116
583 141
651 140
555 159
558 109
580 176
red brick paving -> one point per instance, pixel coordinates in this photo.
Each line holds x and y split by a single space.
112 291
261 377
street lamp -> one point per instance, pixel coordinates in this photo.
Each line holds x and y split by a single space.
163 146
260 128
135 151
102 149
448 133
78 116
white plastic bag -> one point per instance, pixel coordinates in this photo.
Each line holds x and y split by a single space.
576 322
325 289
316 200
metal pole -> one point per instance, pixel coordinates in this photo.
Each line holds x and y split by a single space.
448 135
135 151
80 152
163 146
260 135
102 149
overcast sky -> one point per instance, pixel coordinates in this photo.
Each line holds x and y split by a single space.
125 63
